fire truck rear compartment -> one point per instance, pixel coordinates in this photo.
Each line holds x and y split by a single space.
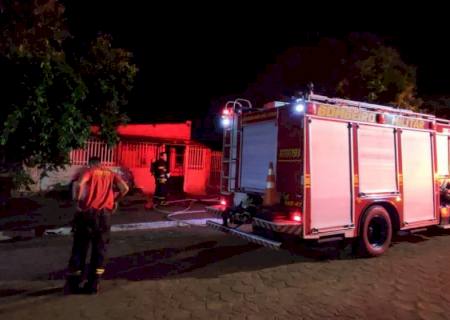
332 163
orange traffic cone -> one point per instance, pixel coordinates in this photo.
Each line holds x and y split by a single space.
445 215
270 194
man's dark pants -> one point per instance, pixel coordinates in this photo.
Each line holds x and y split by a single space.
90 227
160 192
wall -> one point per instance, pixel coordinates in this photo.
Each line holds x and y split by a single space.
53 179
143 179
201 166
196 172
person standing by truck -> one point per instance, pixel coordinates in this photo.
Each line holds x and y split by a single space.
96 201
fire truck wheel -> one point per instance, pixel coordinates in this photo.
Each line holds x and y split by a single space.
376 232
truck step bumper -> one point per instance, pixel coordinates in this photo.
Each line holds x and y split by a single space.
216 210
244 235
289 227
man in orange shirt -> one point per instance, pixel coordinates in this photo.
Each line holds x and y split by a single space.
96 202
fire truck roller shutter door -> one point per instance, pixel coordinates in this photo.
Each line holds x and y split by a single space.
331 194
376 158
417 176
259 148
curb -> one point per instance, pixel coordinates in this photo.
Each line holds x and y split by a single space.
66 231
8 235
3 236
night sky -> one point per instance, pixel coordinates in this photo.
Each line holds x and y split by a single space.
186 63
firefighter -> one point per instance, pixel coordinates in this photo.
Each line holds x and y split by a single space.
96 201
160 171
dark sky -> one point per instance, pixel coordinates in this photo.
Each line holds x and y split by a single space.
185 63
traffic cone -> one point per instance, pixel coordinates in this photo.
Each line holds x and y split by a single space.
270 194
445 215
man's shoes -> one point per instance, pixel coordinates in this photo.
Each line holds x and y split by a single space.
91 288
72 286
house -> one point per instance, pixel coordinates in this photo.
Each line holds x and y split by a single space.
195 168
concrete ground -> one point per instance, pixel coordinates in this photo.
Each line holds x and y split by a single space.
34 216
195 273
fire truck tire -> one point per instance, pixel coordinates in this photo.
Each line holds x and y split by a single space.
376 232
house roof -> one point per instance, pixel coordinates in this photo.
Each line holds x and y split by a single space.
162 131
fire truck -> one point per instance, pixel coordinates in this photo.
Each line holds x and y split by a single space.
343 170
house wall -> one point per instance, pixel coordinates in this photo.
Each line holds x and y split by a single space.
201 170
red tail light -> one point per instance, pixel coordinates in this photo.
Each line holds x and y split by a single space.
296 216
227 112
223 202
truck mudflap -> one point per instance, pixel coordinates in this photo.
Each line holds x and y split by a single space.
250 237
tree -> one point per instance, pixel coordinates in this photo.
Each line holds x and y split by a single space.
437 105
109 77
381 76
359 67
54 92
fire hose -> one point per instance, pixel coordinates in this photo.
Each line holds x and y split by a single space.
187 210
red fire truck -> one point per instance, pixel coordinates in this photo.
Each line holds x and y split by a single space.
343 170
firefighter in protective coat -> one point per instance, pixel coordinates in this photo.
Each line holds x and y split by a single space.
160 171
